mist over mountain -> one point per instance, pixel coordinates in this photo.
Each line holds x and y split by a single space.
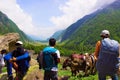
58 34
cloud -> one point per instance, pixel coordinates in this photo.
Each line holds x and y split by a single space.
24 21
17 15
76 9
100 4
71 10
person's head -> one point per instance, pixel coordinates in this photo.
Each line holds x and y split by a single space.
3 51
105 34
52 42
19 47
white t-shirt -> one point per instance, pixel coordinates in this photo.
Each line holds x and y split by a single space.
58 55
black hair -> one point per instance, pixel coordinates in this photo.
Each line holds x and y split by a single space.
3 51
52 42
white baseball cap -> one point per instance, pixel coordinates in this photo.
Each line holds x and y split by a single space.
19 42
105 32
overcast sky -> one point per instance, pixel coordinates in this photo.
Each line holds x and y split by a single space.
41 18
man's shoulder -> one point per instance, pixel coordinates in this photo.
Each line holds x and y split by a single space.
49 49
46 48
99 41
8 56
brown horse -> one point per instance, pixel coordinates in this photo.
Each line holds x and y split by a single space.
76 63
67 63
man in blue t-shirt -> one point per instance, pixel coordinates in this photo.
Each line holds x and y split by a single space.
51 58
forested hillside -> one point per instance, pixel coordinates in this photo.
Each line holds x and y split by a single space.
82 35
8 26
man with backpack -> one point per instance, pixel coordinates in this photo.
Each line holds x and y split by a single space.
107 53
51 58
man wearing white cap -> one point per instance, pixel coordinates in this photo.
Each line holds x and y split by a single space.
106 54
22 58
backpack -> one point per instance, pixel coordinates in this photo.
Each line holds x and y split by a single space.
49 58
108 55
40 60
110 45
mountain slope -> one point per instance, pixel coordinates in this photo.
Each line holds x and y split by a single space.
57 35
8 26
88 31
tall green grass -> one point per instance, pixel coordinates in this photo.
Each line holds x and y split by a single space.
4 69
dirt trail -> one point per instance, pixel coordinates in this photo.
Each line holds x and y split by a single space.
34 73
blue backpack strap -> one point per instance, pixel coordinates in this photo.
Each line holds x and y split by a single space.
48 59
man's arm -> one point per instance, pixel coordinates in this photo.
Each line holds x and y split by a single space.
97 49
58 60
25 55
58 56
8 56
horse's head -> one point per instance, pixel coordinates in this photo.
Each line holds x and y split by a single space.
66 63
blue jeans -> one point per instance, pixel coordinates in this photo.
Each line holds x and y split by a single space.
103 76
9 68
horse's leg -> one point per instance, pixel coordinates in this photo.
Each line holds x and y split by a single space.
86 71
73 71
94 70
